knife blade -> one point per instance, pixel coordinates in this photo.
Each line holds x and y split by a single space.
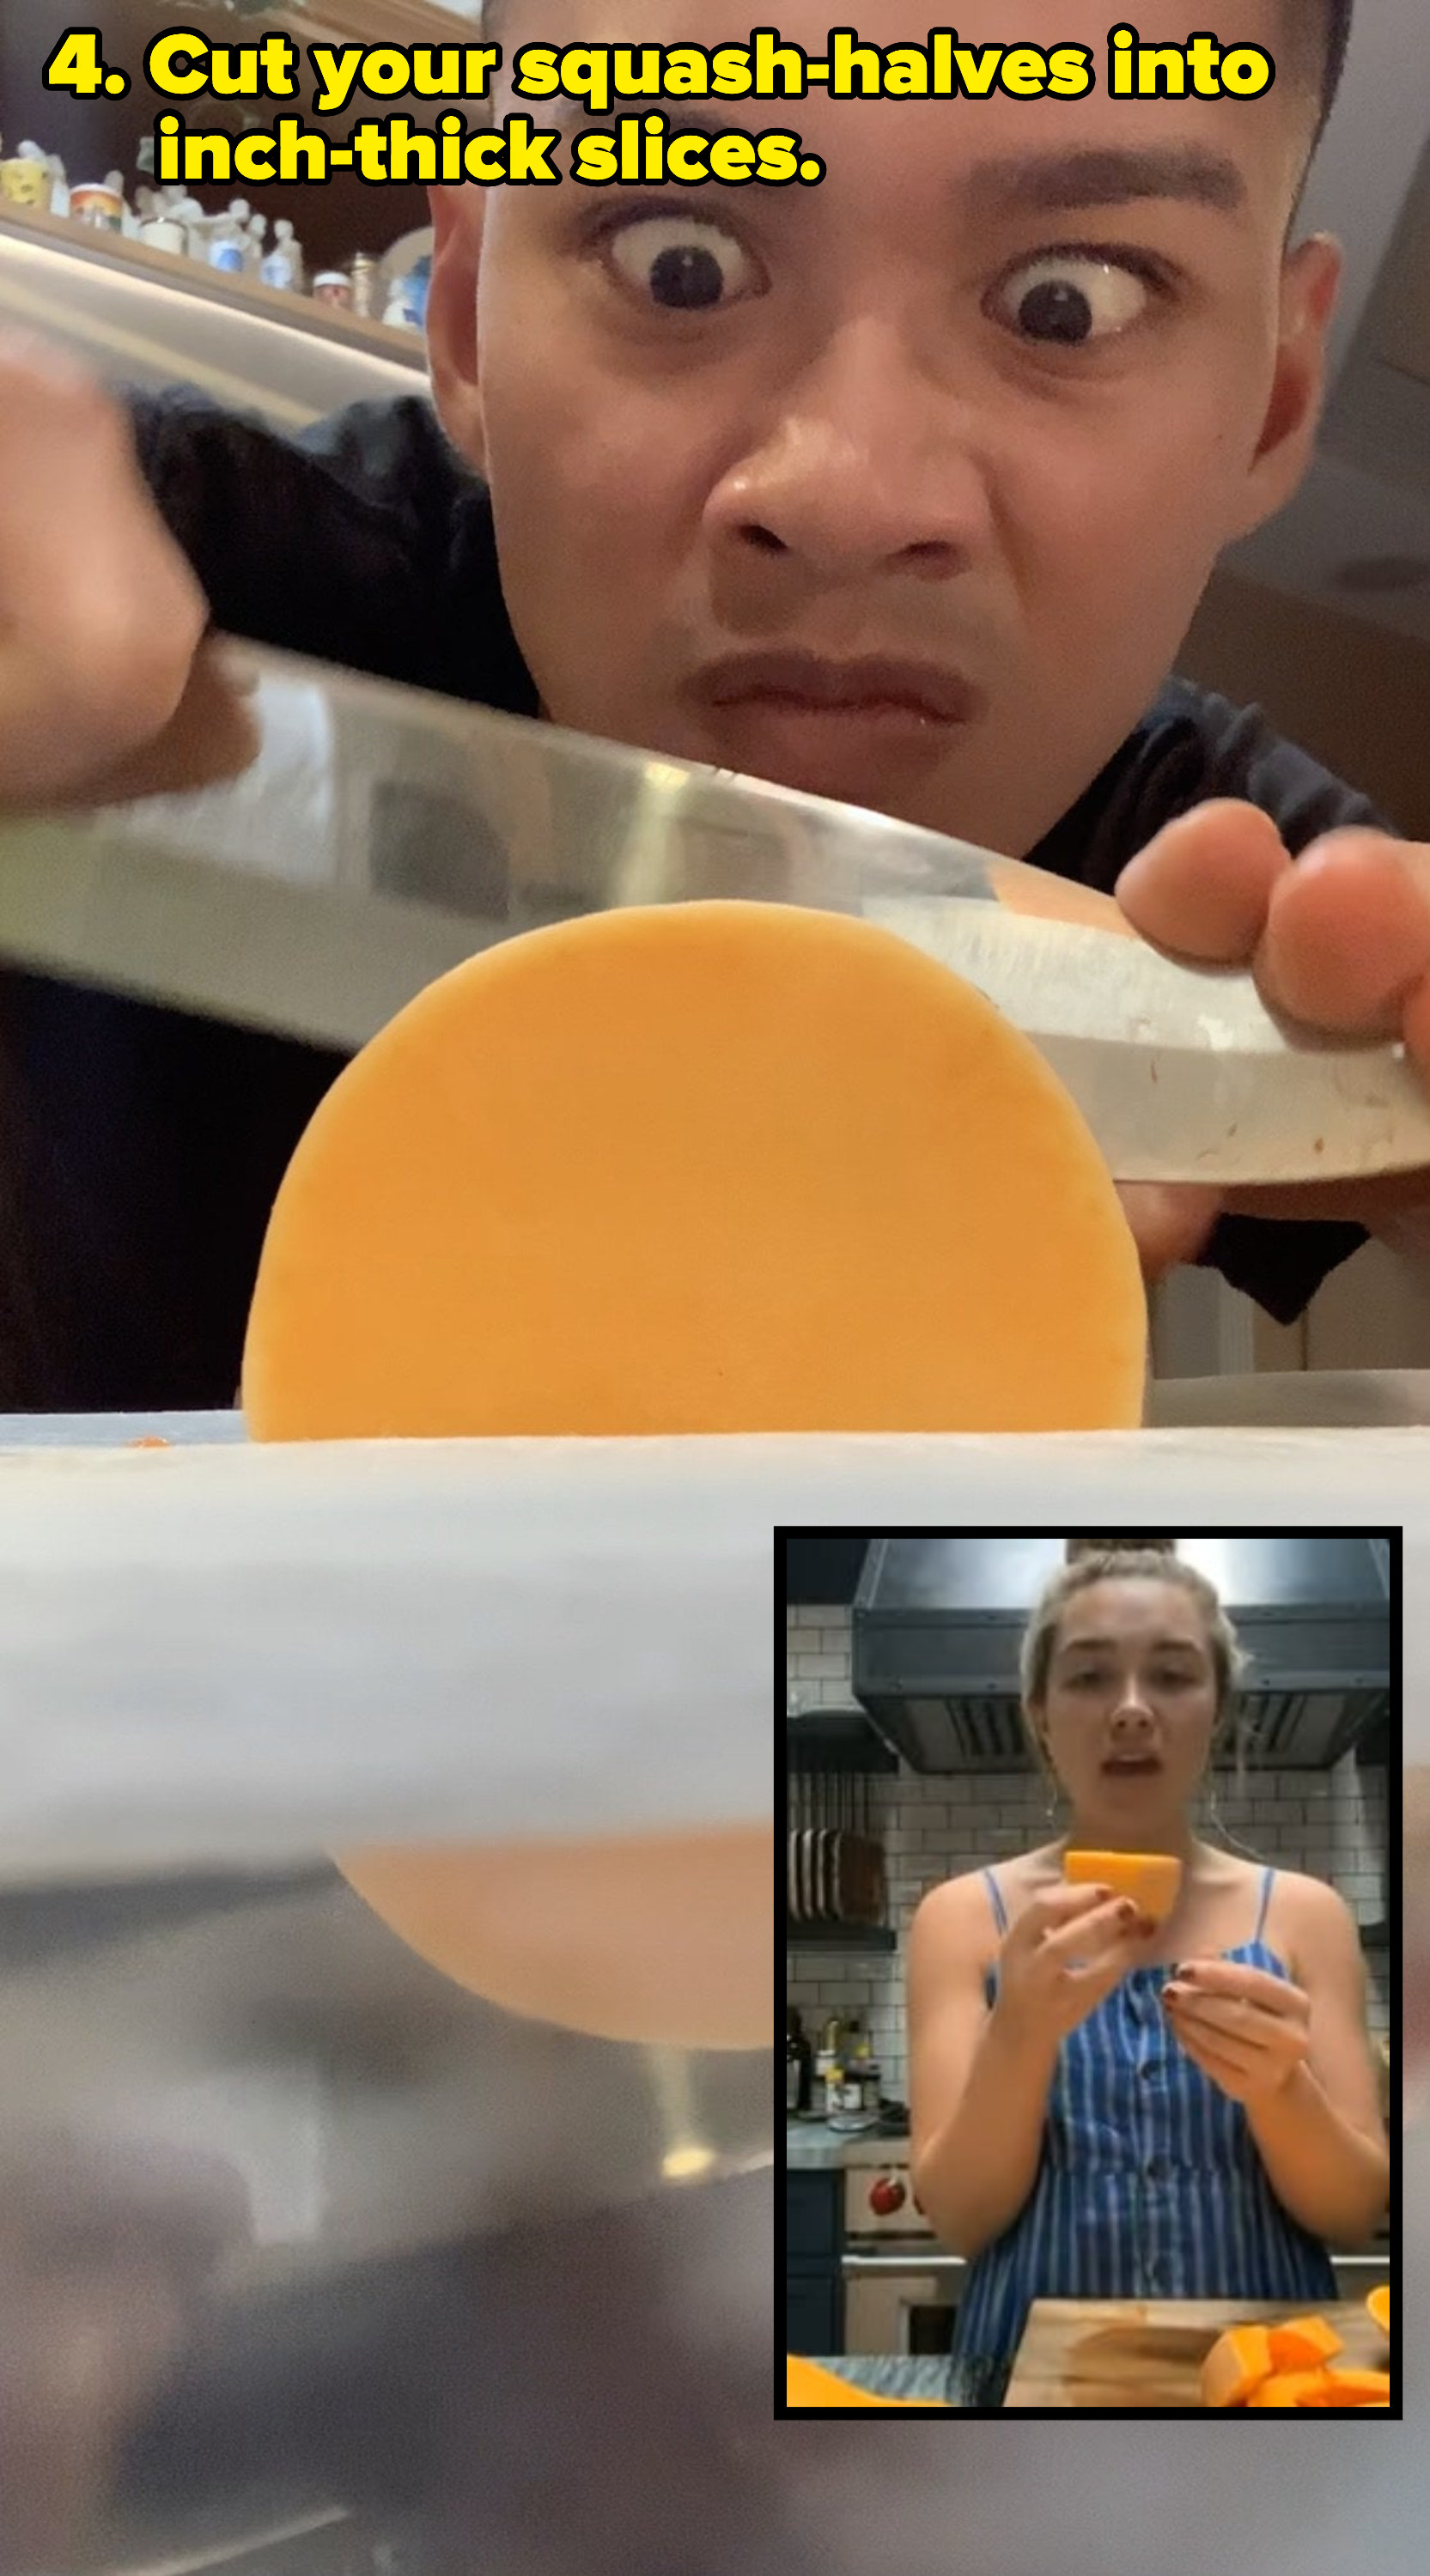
380 835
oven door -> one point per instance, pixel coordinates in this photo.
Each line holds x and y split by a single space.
897 2303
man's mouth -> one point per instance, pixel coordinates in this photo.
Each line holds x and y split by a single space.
873 687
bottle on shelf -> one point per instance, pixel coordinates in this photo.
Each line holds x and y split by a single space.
849 2106
157 228
26 180
799 2066
228 239
283 267
867 2068
100 202
363 274
826 2067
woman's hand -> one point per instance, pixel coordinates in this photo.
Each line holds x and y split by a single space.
1066 1952
1247 2030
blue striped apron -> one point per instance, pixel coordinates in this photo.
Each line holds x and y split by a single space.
1149 2186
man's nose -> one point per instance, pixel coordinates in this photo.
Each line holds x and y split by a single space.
864 466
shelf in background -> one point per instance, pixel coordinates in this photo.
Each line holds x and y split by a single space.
136 259
840 1936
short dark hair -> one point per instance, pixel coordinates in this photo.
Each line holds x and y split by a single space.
1335 33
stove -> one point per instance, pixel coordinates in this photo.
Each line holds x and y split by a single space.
901 2288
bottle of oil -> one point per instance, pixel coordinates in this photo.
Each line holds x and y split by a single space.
799 2066
827 2068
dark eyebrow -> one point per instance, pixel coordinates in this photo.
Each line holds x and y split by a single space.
1062 182
1160 1645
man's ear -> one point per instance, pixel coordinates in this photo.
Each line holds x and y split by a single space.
1310 283
452 317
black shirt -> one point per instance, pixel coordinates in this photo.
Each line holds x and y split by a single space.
152 1143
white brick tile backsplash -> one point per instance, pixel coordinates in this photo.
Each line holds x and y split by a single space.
1328 1823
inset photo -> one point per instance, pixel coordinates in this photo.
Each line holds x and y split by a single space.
1092 1917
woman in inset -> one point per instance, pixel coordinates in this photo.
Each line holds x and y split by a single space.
1103 2107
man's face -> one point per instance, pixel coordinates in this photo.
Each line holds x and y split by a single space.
956 407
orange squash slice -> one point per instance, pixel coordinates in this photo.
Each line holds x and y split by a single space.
597 1182
1151 1879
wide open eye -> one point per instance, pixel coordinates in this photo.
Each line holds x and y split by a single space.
1067 299
682 264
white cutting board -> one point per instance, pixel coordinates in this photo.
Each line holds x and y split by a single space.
226 1650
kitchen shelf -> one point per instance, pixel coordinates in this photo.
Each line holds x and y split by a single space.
135 259
840 1936
1375 1936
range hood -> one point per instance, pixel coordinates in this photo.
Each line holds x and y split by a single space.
938 1622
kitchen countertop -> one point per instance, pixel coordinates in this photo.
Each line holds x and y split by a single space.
811 2146
1110 2355
1114 2355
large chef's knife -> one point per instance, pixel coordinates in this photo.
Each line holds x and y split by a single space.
380 835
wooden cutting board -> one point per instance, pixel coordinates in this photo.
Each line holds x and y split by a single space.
1112 2354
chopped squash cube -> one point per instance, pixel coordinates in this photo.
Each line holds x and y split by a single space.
1239 2361
1289 2388
1302 2343
1379 2306
1288 2365
1350 2388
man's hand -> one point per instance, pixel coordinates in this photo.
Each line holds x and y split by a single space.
104 690
1338 939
